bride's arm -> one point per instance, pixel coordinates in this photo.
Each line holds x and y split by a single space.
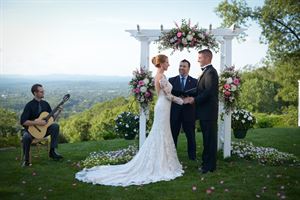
163 82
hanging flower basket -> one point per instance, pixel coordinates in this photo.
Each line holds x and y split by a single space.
186 37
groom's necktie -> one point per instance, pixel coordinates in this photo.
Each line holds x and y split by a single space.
182 83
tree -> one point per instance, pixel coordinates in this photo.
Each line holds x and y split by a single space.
279 20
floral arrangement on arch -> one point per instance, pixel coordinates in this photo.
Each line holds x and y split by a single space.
229 88
187 36
142 87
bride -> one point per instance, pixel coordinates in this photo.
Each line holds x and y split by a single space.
157 159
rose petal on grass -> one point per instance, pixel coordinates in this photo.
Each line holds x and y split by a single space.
212 188
282 187
221 182
74 184
24 182
194 188
226 190
257 196
208 191
33 174
39 188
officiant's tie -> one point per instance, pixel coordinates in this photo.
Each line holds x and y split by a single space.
182 83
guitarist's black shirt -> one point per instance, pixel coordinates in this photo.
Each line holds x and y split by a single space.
31 110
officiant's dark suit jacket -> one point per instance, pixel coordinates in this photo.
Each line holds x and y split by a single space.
207 101
186 111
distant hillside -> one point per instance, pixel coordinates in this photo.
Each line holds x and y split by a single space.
85 90
97 123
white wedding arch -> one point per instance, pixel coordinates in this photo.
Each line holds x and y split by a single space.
224 36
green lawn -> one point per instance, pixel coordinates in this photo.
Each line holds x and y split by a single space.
48 179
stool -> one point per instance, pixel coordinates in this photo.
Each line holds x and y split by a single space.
38 143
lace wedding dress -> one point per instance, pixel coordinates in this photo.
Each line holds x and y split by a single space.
156 160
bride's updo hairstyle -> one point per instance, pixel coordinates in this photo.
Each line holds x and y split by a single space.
159 59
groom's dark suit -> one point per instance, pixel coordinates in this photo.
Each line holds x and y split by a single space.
207 111
184 116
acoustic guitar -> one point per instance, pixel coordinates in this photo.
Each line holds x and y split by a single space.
40 131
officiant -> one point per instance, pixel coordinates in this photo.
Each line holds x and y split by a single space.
183 116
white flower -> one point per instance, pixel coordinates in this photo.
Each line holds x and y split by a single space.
189 37
229 80
146 81
233 87
249 118
126 134
143 89
245 116
127 126
243 121
184 41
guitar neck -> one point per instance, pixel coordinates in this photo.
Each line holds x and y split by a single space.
51 114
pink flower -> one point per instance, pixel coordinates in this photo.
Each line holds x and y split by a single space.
141 83
147 94
179 34
236 81
227 93
209 191
227 86
137 90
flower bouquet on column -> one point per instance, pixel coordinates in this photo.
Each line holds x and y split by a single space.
142 87
229 88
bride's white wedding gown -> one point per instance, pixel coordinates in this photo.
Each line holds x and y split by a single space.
157 158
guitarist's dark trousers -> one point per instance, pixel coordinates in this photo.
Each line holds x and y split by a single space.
53 131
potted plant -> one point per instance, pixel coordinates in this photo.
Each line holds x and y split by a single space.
242 120
127 125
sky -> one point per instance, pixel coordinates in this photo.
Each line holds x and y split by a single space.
88 37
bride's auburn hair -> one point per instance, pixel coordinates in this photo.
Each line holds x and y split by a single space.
159 59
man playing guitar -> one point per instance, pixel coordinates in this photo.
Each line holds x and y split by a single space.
29 117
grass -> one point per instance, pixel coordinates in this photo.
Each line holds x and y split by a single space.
47 179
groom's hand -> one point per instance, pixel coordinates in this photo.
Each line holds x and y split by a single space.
188 100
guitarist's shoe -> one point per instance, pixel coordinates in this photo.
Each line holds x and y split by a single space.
54 155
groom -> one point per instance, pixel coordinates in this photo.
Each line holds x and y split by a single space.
207 109
184 116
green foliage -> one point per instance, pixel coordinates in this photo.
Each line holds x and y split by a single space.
8 123
279 20
289 119
98 123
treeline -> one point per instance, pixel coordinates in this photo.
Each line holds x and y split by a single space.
273 89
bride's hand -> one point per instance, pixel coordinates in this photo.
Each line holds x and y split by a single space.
185 100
